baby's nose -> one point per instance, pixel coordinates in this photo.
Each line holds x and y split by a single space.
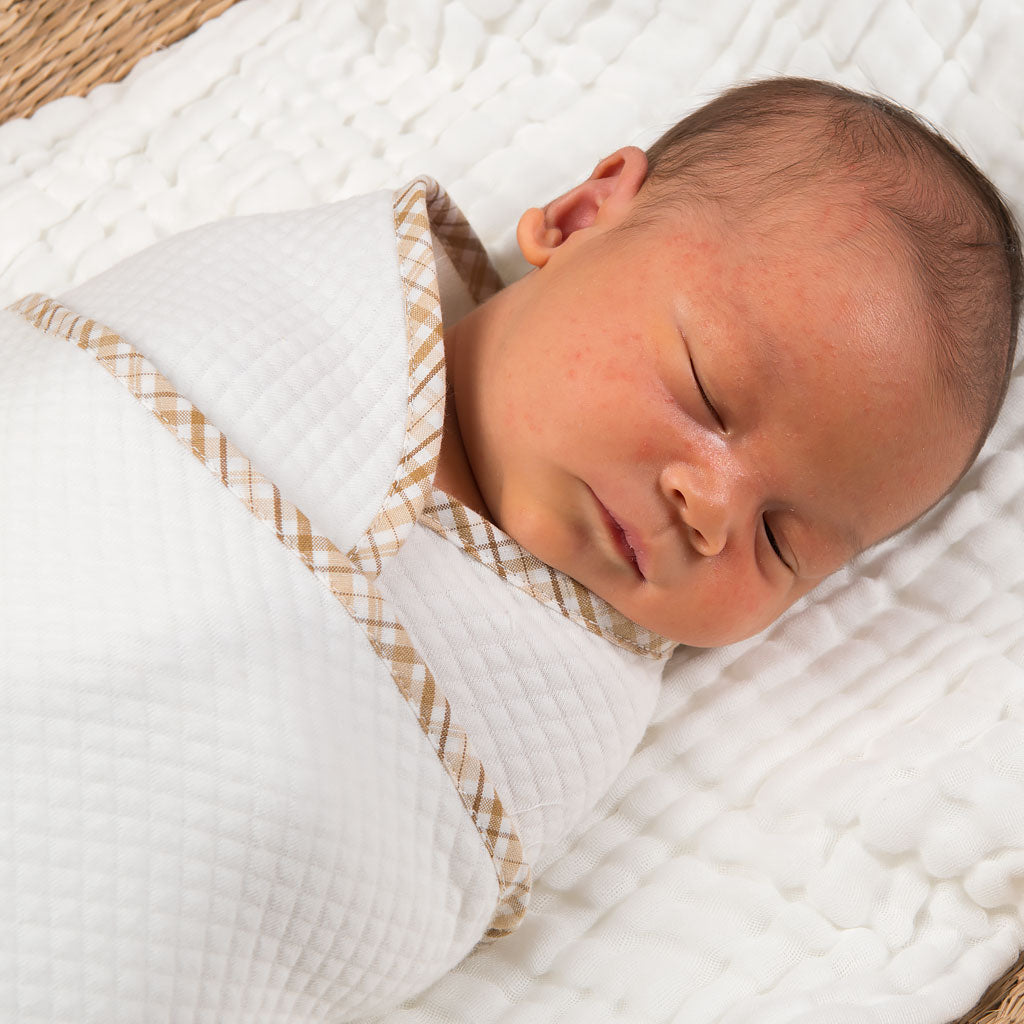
707 501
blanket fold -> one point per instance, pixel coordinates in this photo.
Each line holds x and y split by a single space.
238 782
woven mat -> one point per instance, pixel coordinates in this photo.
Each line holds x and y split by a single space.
53 48
1003 1003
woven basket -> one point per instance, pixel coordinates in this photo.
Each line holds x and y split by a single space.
52 48
1003 1003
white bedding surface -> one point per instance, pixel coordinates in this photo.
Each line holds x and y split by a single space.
825 823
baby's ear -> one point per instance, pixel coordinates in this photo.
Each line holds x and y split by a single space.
603 200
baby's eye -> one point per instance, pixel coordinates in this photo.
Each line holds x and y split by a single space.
774 543
704 397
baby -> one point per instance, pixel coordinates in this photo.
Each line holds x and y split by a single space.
274 739
775 339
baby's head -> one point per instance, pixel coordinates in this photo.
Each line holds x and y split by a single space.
758 148
776 338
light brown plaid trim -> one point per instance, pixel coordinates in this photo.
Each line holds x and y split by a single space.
461 242
483 541
422 204
352 587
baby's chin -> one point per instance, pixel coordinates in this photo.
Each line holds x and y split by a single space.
694 626
718 635
659 611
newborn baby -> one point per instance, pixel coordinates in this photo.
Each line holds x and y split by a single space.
775 339
340 598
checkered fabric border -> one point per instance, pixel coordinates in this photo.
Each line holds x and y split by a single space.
461 242
352 587
502 555
423 212
425 407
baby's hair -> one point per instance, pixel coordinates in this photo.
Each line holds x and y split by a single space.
757 145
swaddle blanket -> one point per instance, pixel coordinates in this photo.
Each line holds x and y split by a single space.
284 729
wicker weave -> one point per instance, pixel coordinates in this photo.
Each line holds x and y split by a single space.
1003 1003
51 48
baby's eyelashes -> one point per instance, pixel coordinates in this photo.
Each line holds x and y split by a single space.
708 403
774 543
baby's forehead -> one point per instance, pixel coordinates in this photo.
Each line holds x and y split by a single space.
821 288
826 240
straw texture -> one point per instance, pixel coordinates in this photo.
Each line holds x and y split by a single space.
1003 1003
51 48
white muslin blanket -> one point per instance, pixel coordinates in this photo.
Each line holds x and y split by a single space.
282 729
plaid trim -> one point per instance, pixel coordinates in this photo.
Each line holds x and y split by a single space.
483 541
352 587
418 207
425 406
460 241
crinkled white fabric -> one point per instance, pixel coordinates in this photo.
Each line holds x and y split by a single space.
822 824
217 805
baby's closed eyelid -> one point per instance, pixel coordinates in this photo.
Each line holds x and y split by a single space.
709 404
771 537
774 544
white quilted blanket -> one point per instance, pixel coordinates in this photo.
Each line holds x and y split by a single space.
825 824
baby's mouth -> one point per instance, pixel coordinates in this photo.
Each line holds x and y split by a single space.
620 537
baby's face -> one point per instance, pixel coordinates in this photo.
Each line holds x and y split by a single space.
699 427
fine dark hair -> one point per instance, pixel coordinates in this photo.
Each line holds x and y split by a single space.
756 145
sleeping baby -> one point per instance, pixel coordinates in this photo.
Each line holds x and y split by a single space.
340 579
776 338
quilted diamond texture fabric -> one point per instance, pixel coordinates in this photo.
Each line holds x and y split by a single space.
219 806
248 319
550 708
820 825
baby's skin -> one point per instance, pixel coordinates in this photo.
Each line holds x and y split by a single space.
698 419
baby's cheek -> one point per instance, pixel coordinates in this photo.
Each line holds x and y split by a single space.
643 450
737 608
734 609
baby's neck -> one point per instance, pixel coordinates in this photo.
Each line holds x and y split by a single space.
454 474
